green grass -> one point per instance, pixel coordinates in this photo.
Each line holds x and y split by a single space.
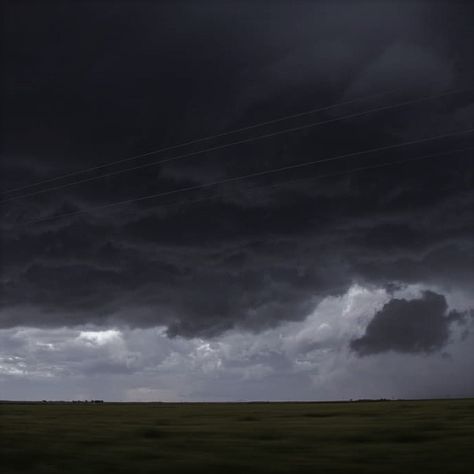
363 437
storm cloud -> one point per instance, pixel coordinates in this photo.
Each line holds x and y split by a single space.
243 255
418 325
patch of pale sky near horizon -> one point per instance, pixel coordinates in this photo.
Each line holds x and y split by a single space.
302 360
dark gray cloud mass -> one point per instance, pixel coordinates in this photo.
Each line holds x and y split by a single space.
418 325
86 83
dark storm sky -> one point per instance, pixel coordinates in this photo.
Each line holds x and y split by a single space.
87 83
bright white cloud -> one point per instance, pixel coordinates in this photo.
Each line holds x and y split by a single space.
99 338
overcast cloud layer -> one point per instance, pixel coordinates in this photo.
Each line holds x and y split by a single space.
240 288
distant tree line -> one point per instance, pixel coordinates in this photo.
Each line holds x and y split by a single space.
52 402
75 401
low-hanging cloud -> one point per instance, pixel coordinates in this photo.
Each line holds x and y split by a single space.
419 325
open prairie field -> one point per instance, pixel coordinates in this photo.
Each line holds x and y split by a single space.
358 437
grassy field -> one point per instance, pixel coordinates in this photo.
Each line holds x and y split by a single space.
360 437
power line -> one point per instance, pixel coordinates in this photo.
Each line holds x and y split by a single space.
238 142
256 174
197 140
258 187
